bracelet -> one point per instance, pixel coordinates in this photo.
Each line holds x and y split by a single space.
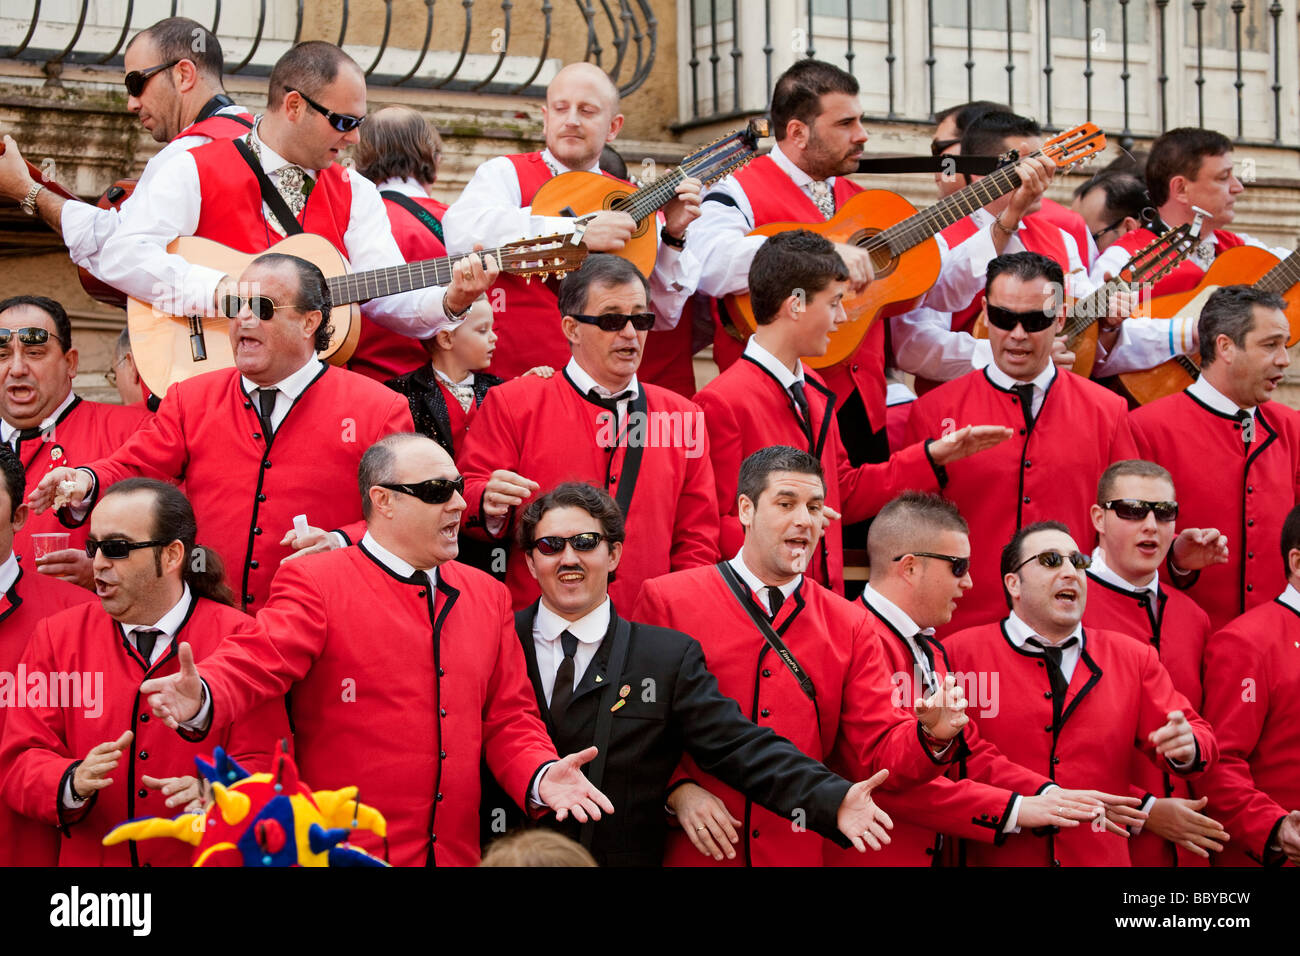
671 240
455 316
28 205
997 221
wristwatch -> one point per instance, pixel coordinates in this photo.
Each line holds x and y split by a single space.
670 240
28 205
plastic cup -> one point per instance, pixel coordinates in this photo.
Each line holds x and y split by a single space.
45 544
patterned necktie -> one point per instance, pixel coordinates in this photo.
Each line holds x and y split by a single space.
294 185
464 394
266 402
821 195
562 691
145 639
1026 393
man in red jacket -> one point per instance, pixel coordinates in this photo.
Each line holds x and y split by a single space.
1134 519
88 757
1075 702
596 422
1241 470
1252 686
383 624
278 435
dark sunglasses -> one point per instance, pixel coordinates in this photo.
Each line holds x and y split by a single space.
434 491
1131 509
1054 559
554 544
1101 232
27 336
1006 320
115 549
937 146
135 80
259 305
340 121
959 565
614 321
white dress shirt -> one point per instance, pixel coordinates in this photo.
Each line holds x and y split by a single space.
405 185
1291 598
8 572
287 389
1043 379
547 628
756 585
1207 394
1020 633
1100 569
134 257
490 211
9 433
773 364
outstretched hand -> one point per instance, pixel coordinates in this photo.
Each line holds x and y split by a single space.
177 697
565 789
860 819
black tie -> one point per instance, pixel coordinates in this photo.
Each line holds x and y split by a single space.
1247 426
1054 673
920 640
801 402
609 403
774 599
1026 393
145 639
266 399
26 434
562 692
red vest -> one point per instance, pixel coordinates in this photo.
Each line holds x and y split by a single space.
1187 274
223 126
1069 222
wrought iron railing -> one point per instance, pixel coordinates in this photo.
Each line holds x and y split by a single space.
453 44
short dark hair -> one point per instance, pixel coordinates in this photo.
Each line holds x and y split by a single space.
313 292
597 269
1230 311
1179 152
173 520
964 113
759 467
1129 468
1126 194
397 142
788 262
308 68
180 38
987 132
15 477
1011 557
378 463
56 312
911 514
573 494
799 90
1290 538
1026 266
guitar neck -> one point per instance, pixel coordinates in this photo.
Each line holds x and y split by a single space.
1282 276
374 283
914 230
1090 308
707 165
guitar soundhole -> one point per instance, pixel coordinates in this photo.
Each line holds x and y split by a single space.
882 263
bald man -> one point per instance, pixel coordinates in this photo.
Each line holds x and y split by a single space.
581 115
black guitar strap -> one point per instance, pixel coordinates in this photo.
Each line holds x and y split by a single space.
270 195
632 459
605 715
765 628
425 217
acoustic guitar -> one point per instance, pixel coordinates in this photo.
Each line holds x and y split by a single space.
1240 265
171 348
582 194
900 240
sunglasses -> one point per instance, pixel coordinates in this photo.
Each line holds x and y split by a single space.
27 336
135 80
1131 509
1054 559
434 491
1006 320
554 544
259 305
340 121
959 565
615 321
937 146
115 549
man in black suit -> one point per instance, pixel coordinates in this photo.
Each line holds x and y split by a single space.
643 697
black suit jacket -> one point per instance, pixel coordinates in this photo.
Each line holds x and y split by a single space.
673 706
428 404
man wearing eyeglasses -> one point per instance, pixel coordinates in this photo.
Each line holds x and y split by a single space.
47 424
596 422
404 670
173 85
1134 519
1241 473
1075 703
87 756
1066 429
278 435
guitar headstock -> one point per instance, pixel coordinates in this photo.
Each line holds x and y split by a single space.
544 256
1075 145
724 156
1157 258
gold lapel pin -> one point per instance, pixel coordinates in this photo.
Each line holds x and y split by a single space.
617 705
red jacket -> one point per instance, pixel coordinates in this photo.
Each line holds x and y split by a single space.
365 653
33 597
1049 474
1244 491
1119 693
853 717
1252 695
1183 277
41 744
246 490
747 409
545 430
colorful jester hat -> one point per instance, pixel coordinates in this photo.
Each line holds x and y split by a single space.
263 820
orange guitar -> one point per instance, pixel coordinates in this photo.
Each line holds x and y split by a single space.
581 194
1240 265
900 240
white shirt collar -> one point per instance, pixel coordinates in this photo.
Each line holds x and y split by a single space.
773 364
392 562
894 615
442 376
556 166
1020 632
8 572
1291 598
755 583
1004 381
272 161
1100 569
589 629
797 175
578 375
404 185
1207 394
170 622
7 431
293 385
